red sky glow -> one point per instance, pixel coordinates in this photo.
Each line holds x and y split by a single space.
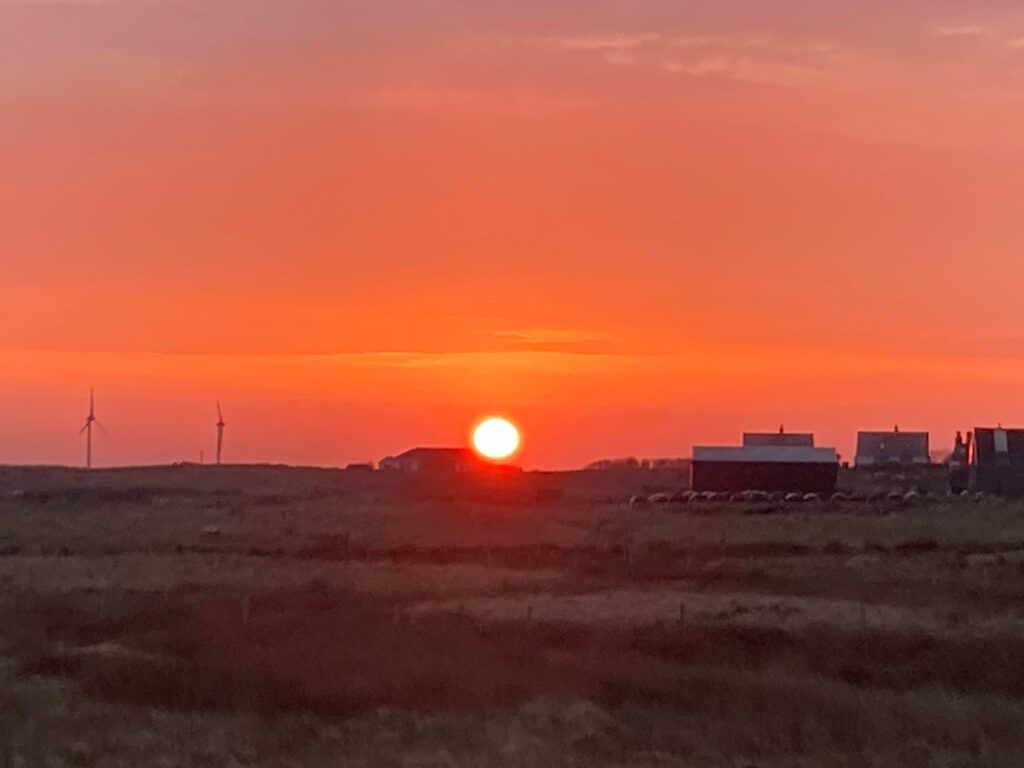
630 226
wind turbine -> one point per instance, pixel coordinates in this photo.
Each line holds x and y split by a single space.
87 429
220 431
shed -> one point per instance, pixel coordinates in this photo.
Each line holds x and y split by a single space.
432 460
804 469
892 449
997 461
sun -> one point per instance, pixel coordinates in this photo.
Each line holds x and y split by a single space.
496 438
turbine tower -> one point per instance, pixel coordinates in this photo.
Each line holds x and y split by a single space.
87 429
220 431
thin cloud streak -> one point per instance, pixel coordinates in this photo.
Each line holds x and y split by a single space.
965 30
613 42
756 59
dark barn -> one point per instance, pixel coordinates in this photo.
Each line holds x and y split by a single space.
997 461
765 468
433 460
892 449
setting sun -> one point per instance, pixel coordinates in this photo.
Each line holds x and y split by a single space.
496 438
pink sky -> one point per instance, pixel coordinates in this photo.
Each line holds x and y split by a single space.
630 226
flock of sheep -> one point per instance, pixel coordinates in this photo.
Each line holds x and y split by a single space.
750 497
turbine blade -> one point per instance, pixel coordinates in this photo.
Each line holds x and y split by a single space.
102 429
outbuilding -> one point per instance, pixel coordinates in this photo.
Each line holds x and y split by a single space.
801 468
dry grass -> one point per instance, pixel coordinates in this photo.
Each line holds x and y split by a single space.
320 619
765 694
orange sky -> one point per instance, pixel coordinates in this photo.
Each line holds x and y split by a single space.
628 226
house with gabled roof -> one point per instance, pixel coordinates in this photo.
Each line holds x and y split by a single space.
892 449
997 461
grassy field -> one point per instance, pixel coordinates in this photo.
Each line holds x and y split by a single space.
239 616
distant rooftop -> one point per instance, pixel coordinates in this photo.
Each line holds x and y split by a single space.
779 438
895 447
766 454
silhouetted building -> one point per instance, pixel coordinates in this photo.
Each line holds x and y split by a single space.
958 464
434 460
798 468
892 449
997 461
780 438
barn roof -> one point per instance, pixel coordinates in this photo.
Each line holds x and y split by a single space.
778 438
766 454
421 453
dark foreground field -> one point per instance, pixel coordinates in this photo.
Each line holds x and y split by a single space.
266 616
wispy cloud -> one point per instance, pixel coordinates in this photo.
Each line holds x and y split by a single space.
84 2
962 30
524 102
742 69
564 340
752 58
995 36
606 42
758 59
